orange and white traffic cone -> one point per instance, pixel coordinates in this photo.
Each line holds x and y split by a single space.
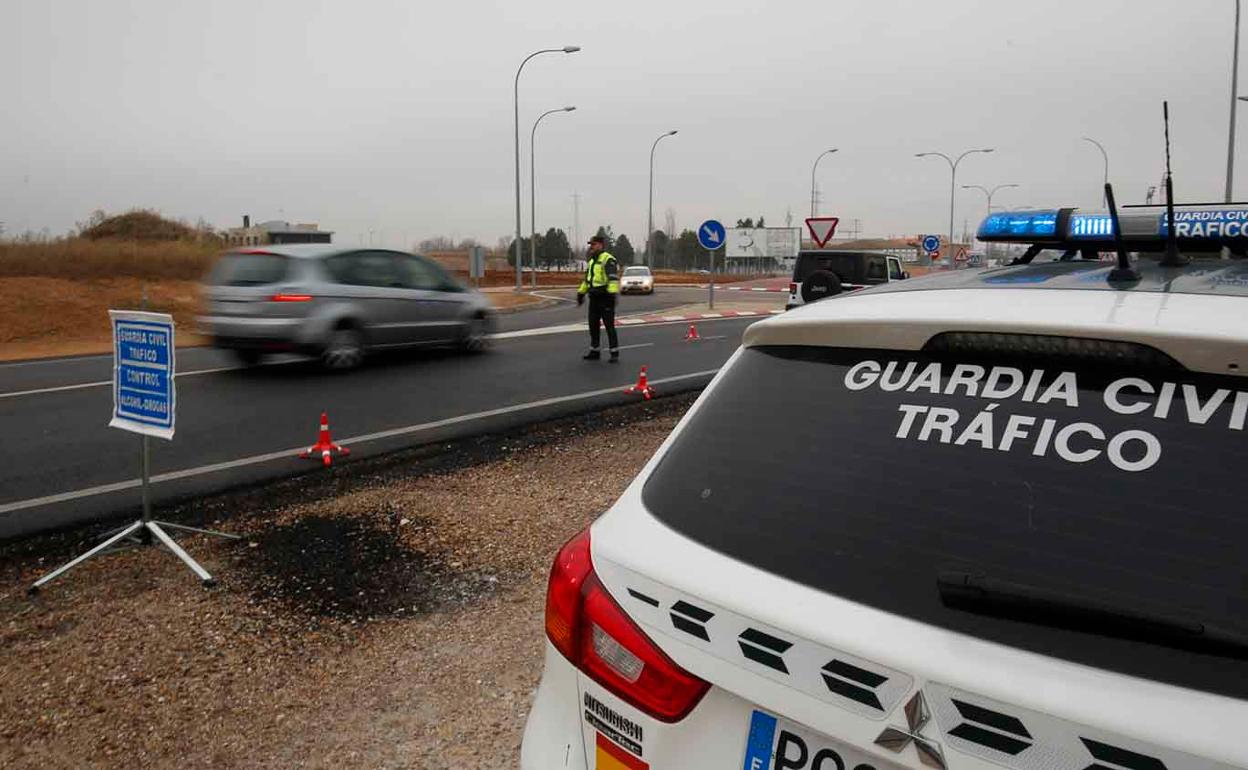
692 334
324 445
642 386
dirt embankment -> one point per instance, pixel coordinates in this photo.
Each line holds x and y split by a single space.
386 614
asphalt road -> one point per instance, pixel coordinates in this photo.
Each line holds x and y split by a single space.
70 372
60 464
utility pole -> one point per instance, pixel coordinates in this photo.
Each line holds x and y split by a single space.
650 205
1230 141
576 222
953 178
516 108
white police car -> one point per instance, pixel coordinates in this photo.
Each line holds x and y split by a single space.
991 519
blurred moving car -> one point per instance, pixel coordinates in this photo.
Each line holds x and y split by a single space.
337 303
819 274
637 278
1006 532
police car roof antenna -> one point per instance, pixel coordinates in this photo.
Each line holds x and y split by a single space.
1172 258
1123 272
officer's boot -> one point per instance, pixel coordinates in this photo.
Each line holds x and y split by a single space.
615 356
593 355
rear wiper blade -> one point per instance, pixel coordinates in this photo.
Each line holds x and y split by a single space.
985 595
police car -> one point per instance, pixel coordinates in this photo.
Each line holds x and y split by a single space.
991 519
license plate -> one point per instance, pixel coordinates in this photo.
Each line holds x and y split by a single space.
777 744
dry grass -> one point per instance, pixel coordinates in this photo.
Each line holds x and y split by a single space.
41 316
79 258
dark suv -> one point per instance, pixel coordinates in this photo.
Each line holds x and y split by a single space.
820 274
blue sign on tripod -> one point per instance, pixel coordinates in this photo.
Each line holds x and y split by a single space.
143 373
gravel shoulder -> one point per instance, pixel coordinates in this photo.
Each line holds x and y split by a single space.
384 614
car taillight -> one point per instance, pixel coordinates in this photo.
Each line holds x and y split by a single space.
597 636
291 298
793 288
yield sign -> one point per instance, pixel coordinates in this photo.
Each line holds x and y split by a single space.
821 229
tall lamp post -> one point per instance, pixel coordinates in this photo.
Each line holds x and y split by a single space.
650 207
988 192
1230 141
1104 157
533 189
953 178
812 179
516 105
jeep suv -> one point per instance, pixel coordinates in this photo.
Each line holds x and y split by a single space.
825 273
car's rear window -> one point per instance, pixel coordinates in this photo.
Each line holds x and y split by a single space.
636 271
866 474
236 269
846 266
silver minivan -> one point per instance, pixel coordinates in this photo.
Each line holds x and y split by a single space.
336 303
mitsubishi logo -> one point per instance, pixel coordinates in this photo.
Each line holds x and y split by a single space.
896 739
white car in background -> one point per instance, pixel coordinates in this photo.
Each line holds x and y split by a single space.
988 520
637 278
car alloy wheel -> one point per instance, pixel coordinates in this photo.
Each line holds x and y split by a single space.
476 335
344 350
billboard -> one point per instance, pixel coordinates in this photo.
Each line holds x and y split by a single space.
763 242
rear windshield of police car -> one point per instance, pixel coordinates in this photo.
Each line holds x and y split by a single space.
248 270
867 474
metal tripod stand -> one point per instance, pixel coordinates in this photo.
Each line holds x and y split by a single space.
140 533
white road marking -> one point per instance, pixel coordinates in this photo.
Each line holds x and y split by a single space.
520 333
551 296
638 345
104 383
241 462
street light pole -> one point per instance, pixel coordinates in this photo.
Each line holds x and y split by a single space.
813 213
650 206
988 192
533 189
953 177
1230 142
1105 157
516 106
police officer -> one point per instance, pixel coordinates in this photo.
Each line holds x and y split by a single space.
602 284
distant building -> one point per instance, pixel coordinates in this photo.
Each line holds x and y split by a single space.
275 231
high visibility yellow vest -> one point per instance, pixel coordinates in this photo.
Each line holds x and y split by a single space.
602 271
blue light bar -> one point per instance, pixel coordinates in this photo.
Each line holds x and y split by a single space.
1091 226
1020 225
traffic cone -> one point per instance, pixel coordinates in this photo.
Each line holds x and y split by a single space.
642 386
324 445
692 334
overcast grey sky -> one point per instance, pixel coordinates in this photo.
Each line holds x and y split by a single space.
396 117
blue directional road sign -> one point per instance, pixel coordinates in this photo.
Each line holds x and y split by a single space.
711 234
931 243
143 362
